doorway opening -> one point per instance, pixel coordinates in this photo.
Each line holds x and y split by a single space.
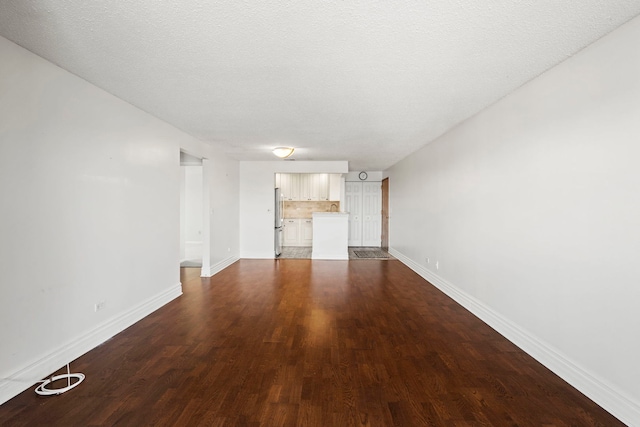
192 227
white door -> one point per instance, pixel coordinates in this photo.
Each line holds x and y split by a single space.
353 205
363 201
371 213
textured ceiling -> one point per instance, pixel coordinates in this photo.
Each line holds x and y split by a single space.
365 81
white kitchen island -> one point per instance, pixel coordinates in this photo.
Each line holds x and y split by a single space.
330 235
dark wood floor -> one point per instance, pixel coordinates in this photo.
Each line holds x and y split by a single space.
302 343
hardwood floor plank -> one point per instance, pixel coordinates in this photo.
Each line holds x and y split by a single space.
310 343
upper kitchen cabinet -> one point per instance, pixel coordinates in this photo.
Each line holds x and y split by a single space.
314 187
290 186
320 186
305 186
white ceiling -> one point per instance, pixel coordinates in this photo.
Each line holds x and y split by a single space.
368 81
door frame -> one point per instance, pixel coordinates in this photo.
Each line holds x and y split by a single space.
206 165
384 238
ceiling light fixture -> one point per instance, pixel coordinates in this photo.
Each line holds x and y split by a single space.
283 152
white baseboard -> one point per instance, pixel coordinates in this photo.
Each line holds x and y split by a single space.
28 376
598 390
218 267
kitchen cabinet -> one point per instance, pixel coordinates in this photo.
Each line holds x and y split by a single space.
305 182
305 186
314 186
306 232
320 186
290 186
298 232
291 232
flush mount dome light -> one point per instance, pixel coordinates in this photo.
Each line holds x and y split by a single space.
283 152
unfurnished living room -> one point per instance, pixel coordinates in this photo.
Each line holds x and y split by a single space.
338 213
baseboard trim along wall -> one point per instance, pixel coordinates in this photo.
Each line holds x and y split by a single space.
28 376
218 267
605 395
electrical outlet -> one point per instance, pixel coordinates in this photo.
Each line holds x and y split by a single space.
437 265
427 260
100 306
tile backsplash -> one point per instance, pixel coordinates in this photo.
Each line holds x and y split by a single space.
305 209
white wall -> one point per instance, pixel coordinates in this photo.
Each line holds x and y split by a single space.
371 176
532 211
257 183
89 213
222 175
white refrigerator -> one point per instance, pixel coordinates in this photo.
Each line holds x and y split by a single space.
279 221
